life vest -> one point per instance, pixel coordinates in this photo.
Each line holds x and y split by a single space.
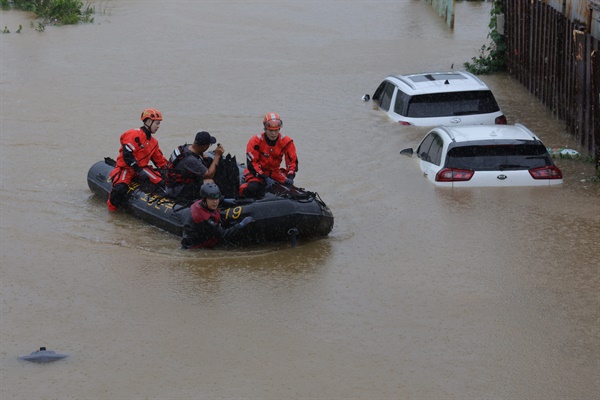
200 213
176 177
198 232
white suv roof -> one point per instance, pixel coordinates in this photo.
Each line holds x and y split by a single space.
436 82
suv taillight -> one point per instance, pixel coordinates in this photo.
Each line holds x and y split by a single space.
404 123
501 120
547 172
453 175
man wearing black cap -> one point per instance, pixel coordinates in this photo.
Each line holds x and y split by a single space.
188 168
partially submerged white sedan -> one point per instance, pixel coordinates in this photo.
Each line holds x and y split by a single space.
485 155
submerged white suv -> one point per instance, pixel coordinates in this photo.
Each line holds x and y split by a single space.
438 98
485 155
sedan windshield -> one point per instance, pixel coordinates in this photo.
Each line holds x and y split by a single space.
498 157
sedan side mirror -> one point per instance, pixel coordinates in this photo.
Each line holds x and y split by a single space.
407 152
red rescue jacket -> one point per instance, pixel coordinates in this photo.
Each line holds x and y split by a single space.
264 159
144 150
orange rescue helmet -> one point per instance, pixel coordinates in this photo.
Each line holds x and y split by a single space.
151 113
272 122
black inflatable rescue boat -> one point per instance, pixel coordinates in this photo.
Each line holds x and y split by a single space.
284 214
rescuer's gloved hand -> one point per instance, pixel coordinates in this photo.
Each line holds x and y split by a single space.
246 221
269 182
289 181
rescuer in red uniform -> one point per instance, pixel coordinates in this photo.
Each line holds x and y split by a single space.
138 148
264 155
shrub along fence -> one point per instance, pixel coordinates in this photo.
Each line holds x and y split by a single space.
559 62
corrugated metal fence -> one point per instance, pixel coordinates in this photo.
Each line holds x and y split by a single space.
558 60
584 11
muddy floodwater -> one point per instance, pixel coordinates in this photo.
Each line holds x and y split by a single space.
417 293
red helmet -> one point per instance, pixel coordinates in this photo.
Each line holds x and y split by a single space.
272 122
151 113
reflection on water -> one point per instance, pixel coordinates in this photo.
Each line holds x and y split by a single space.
212 273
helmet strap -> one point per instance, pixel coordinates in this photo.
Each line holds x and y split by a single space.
146 130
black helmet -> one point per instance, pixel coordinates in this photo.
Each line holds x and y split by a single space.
210 190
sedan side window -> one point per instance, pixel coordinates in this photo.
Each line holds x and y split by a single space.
423 149
430 149
435 151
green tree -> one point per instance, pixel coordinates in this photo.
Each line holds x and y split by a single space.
63 12
492 57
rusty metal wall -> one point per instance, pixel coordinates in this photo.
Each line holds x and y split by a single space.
558 63
596 93
445 9
585 12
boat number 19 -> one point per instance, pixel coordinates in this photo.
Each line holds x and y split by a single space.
233 213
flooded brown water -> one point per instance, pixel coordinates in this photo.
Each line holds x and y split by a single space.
418 293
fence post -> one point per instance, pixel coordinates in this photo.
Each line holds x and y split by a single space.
595 71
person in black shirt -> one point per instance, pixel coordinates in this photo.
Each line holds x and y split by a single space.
188 167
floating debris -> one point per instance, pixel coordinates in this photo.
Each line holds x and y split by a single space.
43 356
562 151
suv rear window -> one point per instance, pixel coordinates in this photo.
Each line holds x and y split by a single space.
493 157
452 103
